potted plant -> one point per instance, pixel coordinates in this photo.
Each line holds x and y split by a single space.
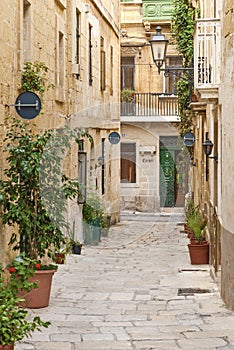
127 95
105 225
60 256
189 212
93 214
75 246
28 191
14 323
198 246
128 99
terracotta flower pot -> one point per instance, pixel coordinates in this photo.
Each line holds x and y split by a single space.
39 297
60 258
199 253
7 347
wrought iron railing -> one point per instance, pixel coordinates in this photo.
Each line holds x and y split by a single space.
150 104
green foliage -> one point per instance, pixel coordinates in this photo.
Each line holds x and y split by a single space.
190 209
93 210
34 193
197 224
21 269
14 323
127 95
73 243
182 28
34 77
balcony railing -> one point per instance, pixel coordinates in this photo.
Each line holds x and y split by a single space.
207 53
150 104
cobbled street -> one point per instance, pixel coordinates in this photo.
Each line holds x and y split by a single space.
136 290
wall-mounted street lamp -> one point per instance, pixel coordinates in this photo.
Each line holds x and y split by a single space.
158 45
208 147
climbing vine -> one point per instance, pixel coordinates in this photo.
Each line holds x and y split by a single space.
182 28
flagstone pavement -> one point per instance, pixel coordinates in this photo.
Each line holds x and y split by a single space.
135 290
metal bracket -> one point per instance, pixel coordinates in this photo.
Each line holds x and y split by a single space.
19 105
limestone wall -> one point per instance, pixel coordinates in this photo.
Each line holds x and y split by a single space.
47 31
226 158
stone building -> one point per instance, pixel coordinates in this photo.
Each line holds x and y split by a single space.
212 173
79 42
152 174
147 133
226 134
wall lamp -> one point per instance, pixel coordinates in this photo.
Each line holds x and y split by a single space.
158 45
208 147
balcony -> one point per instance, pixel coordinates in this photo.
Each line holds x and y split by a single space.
150 107
207 58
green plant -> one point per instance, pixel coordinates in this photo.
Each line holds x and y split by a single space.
34 77
127 95
182 28
34 193
190 209
197 224
14 323
93 210
73 243
105 221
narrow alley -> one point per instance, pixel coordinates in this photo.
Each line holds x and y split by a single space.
136 290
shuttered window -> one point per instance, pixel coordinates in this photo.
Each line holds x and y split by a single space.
128 162
171 79
128 73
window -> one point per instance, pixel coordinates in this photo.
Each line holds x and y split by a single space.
111 69
77 60
90 57
128 73
27 31
128 162
171 80
61 60
102 65
103 166
82 174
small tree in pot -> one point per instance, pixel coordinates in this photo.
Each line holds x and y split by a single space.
34 184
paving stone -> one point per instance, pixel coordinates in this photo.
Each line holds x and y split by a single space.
156 345
123 295
104 345
203 343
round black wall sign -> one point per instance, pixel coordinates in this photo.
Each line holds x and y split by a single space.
189 139
28 105
114 138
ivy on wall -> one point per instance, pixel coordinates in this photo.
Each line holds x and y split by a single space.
182 28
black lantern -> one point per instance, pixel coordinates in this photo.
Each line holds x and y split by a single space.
158 45
208 146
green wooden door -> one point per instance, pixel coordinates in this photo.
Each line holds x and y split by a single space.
167 178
